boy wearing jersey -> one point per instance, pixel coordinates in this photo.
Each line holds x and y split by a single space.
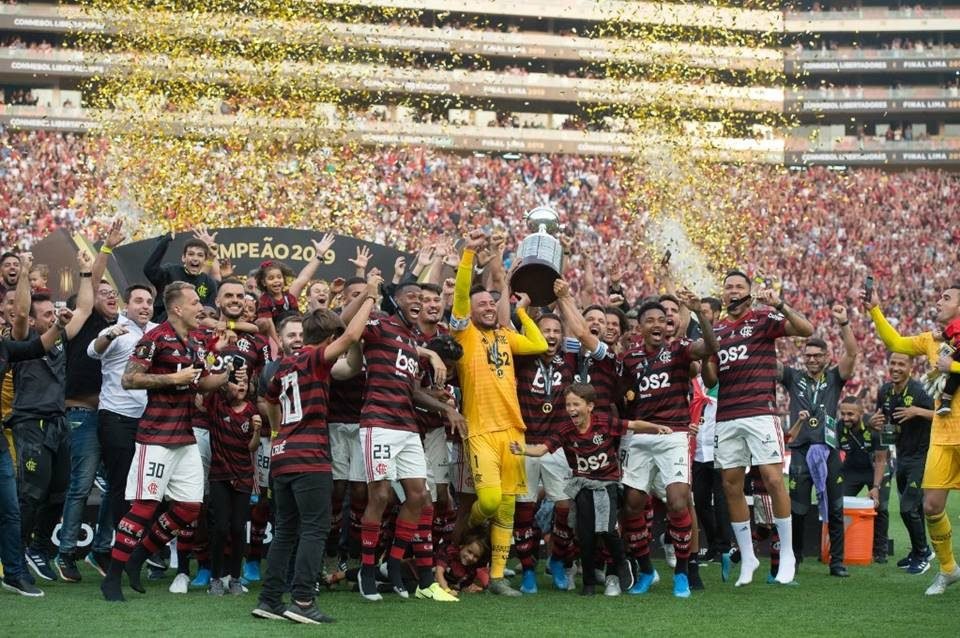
488 379
659 375
748 432
591 443
300 460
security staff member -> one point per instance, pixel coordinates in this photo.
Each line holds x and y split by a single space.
814 460
866 464
904 414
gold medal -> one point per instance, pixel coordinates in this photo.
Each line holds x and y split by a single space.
499 373
813 421
547 408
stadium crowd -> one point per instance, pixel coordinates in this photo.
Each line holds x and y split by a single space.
816 230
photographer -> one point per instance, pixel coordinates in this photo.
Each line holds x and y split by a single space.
904 413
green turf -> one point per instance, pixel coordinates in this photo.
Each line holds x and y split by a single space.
879 600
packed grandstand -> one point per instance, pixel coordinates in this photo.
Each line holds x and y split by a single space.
868 83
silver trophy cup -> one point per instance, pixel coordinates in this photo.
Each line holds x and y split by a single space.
539 257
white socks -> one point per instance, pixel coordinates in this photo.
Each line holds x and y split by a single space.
748 558
788 562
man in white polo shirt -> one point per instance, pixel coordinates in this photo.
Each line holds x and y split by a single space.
120 410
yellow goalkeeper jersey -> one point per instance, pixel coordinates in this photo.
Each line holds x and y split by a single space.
946 428
486 370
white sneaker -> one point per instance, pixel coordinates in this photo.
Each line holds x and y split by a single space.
571 578
612 586
669 552
942 581
180 584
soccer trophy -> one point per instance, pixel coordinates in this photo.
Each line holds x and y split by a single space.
539 257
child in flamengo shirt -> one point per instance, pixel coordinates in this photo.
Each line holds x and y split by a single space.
234 434
276 300
591 443
457 568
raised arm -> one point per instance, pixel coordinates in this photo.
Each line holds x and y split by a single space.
707 346
85 294
531 341
572 319
797 324
306 273
212 265
354 330
461 290
850 351
153 268
891 338
21 300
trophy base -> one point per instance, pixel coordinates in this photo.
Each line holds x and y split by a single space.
537 281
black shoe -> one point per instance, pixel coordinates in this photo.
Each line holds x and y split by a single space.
588 590
880 559
22 587
268 611
154 573
67 568
625 574
133 567
693 576
904 562
37 561
706 555
158 560
307 615
839 571
111 590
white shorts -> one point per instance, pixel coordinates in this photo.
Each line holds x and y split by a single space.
392 455
262 470
656 461
550 469
158 472
461 477
755 440
342 448
437 451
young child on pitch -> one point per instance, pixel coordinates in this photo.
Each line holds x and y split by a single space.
234 434
457 568
591 442
276 299
951 337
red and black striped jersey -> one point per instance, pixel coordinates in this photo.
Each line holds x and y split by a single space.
594 454
603 374
393 369
230 432
275 309
252 347
748 364
426 419
301 386
542 412
660 382
170 413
